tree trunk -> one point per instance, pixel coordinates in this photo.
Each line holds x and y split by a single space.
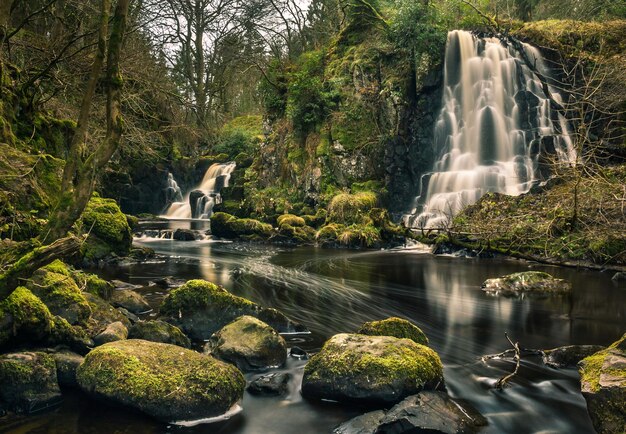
79 174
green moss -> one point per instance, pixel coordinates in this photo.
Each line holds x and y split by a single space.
291 220
359 236
29 317
93 284
316 220
591 367
104 219
160 379
58 267
219 225
197 294
349 209
249 229
297 234
329 233
396 327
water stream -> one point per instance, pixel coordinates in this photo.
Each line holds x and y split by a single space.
494 122
333 291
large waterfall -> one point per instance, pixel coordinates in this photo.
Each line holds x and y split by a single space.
199 203
495 119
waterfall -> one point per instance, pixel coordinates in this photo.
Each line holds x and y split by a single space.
173 192
494 123
199 203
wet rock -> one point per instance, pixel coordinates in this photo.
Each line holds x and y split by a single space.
200 308
528 282
279 321
274 384
185 235
159 331
164 381
298 353
29 382
131 316
196 202
395 327
373 369
114 332
102 314
249 344
130 300
569 356
118 284
168 282
67 363
364 424
603 384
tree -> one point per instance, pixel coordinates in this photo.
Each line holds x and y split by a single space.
82 164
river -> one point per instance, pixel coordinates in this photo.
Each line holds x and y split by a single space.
333 291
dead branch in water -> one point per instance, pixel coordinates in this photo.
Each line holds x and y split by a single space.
516 353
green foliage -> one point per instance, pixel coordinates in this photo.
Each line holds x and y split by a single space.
418 27
310 98
240 136
273 89
349 209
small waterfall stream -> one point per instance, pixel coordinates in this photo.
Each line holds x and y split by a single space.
199 203
494 122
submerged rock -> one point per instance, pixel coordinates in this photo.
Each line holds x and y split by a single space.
395 327
159 331
569 356
165 381
186 235
29 382
249 344
379 369
116 331
432 412
528 282
603 384
130 300
273 384
201 308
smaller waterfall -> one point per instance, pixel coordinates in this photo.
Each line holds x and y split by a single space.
173 192
199 203
494 124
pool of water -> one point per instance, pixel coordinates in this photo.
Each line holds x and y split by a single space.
333 291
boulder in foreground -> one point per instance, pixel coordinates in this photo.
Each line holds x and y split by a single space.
603 384
371 369
165 381
396 327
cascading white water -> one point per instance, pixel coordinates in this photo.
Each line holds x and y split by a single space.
493 109
173 192
205 196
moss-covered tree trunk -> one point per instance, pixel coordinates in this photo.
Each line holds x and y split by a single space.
80 171
81 166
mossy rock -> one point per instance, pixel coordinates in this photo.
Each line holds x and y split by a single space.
200 308
389 231
603 384
114 332
60 293
24 318
290 220
371 369
67 364
164 381
396 327
351 209
328 236
527 282
93 284
220 227
159 331
294 235
317 220
250 229
249 344
108 227
29 382
129 300
102 314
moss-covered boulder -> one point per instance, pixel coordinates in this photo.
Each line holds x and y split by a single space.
527 282
351 209
360 237
60 293
249 344
201 308
114 332
159 331
24 318
316 220
93 284
395 327
603 384
294 235
328 235
29 382
165 381
372 369
109 231
129 300
224 225
219 225
291 220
